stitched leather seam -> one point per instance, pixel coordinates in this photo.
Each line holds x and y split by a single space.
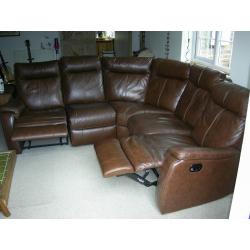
212 123
225 97
126 155
131 153
198 82
190 103
163 87
151 150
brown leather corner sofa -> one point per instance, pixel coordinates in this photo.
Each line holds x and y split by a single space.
181 122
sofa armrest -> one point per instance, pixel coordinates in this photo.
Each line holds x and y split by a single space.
191 176
14 106
202 153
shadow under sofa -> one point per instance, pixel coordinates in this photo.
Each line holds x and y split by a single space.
182 121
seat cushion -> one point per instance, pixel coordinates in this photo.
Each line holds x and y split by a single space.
40 125
125 110
94 115
41 118
157 124
91 135
148 151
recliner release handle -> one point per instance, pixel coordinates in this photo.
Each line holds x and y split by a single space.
195 167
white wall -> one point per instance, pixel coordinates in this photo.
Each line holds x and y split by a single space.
14 50
156 42
175 45
240 65
122 43
135 40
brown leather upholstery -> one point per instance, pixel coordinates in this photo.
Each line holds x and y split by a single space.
166 114
41 118
196 94
14 106
222 122
117 163
39 85
95 115
92 135
126 110
167 83
157 124
40 124
192 104
194 118
148 151
8 114
38 112
178 188
87 119
82 79
126 79
8 121
41 132
121 131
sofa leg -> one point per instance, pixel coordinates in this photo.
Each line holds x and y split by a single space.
143 179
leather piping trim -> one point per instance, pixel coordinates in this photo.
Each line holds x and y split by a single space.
129 151
163 87
198 82
226 95
212 123
190 103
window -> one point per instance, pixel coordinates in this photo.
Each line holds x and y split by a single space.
213 48
105 34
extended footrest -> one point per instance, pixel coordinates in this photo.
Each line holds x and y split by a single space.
112 159
114 162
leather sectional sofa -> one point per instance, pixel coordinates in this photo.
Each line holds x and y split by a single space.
182 122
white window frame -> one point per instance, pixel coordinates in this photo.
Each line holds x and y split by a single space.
205 61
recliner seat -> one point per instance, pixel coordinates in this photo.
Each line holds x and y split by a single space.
39 112
90 117
202 129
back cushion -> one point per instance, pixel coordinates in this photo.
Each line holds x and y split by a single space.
39 84
167 83
126 79
222 123
196 95
82 79
192 104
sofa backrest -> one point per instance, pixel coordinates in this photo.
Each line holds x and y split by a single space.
81 79
167 83
196 94
223 120
126 79
39 84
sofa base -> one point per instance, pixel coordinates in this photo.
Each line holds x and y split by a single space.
47 145
143 179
